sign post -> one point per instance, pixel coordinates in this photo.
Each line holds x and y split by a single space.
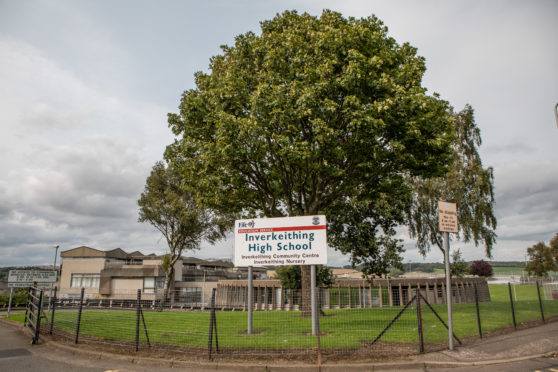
447 218
10 302
281 241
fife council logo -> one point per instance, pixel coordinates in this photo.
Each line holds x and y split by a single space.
249 224
316 220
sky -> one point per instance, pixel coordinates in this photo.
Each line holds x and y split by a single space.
85 88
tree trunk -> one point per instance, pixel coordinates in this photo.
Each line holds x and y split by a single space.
305 283
168 280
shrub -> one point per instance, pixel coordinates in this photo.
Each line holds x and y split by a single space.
481 268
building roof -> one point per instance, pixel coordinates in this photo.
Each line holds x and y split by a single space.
88 252
347 273
136 254
199 261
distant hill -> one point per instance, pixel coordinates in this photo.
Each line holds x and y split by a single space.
430 267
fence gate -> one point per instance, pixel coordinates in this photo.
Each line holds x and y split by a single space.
32 320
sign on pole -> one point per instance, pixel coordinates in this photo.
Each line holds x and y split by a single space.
447 217
280 241
24 278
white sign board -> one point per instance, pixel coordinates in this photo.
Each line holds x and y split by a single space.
280 241
29 276
447 217
25 285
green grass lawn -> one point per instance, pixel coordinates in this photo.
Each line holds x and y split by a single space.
503 270
341 328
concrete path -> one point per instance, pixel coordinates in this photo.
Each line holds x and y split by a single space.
514 346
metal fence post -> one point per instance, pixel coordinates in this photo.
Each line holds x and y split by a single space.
38 318
138 309
313 304
512 308
79 314
478 311
53 307
29 291
540 301
212 326
250 304
419 322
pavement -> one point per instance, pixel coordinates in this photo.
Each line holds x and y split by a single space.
525 344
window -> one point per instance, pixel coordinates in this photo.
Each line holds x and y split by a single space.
160 282
85 280
191 295
150 284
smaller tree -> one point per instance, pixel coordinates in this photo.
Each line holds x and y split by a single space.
324 276
171 209
481 268
291 276
19 297
553 245
459 267
541 260
467 183
395 272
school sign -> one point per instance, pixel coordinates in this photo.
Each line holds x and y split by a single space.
280 241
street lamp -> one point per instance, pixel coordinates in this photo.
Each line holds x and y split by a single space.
56 246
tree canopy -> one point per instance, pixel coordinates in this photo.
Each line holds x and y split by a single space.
481 268
316 115
172 210
543 258
291 276
468 184
458 268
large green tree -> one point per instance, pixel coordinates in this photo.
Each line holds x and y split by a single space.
316 115
172 210
468 184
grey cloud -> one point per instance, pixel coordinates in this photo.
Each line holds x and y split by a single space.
510 149
44 115
80 132
527 202
96 178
